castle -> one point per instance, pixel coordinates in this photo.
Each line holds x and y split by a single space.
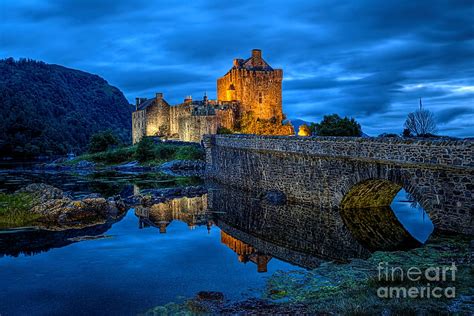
249 100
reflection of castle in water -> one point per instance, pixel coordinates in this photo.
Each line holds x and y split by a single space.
246 252
305 234
258 230
190 210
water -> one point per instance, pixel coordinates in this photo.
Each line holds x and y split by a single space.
226 241
130 272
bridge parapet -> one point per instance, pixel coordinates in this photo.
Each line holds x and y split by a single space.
436 152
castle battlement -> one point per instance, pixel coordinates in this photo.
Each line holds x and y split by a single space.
250 86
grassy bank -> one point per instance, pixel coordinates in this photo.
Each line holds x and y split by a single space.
352 288
14 210
147 152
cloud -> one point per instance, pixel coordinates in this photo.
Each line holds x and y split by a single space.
449 115
368 59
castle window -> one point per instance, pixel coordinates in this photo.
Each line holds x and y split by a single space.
260 97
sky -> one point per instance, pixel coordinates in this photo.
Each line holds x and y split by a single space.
368 59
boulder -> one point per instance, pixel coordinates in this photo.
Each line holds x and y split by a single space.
43 192
57 210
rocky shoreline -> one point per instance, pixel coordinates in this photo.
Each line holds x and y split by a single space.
57 211
173 167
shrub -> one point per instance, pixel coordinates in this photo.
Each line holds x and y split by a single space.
406 133
102 141
113 156
189 153
164 152
224 130
145 150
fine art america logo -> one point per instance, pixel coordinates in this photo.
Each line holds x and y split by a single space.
422 283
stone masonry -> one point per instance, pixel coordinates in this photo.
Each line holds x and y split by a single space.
251 88
322 171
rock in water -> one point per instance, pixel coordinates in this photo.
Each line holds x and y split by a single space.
43 192
59 211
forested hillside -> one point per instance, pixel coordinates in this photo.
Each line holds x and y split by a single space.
50 109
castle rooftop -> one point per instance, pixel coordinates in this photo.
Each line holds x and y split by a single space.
254 62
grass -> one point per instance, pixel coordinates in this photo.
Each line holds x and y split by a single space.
153 154
351 288
14 210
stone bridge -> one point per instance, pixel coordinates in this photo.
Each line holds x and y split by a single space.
349 173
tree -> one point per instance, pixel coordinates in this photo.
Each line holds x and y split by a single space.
102 141
145 150
421 122
334 125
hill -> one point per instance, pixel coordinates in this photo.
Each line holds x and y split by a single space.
50 109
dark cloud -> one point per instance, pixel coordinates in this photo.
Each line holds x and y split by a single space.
368 59
449 115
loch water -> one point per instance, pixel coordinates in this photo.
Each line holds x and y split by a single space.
226 241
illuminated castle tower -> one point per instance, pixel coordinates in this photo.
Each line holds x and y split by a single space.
256 85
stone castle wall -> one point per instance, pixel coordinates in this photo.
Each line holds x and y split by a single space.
192 128
138 126
260 92
157 119
176 113
437 173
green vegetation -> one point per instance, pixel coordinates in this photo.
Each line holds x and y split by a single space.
147 152
334 125
14 210
109 157
102 141
223 130
351 288
50 109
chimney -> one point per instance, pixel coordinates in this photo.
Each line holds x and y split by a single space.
256 53
238 62
137 103
159 96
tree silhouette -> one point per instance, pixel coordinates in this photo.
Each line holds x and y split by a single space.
421 122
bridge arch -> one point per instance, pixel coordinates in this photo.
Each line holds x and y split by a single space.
377 185
367 212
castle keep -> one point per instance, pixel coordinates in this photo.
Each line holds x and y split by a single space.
249 100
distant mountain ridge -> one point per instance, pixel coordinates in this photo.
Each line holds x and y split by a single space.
51 109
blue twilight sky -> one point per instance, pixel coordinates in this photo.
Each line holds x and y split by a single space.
371 60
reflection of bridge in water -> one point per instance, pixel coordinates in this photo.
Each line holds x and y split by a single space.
352 173
304 235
